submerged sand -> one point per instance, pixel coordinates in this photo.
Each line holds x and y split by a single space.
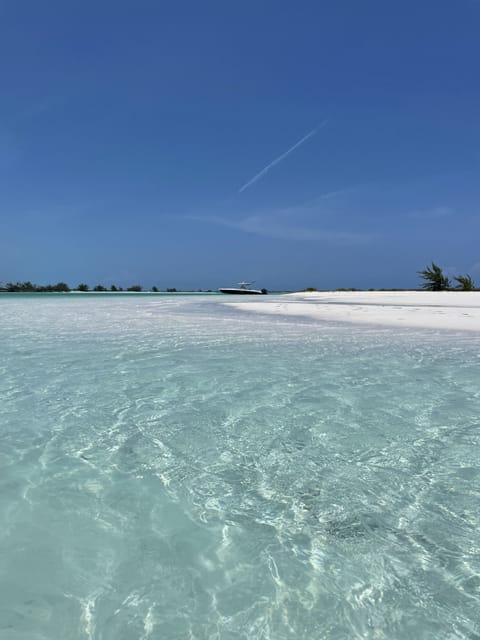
453 310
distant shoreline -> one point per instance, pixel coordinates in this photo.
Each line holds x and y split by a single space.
309 292
109 293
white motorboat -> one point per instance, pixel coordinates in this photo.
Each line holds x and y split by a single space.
243 289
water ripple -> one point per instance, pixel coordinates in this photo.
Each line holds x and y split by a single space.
182 470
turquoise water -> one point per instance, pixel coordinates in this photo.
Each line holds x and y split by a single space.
172 468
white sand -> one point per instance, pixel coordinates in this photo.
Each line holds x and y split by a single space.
457 310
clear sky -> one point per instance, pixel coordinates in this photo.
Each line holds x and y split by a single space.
188 144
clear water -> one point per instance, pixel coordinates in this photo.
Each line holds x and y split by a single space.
172 468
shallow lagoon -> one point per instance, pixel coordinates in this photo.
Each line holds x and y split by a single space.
174 468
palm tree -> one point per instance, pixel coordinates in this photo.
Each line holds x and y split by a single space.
434 278
465 283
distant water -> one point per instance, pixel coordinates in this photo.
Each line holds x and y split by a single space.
171 468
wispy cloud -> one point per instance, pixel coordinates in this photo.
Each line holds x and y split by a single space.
261 226
433 212
294 223
281 157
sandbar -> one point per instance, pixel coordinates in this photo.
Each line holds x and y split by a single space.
451 310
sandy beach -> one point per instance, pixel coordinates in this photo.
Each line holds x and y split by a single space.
452 310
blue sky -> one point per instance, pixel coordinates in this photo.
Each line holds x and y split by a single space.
134 138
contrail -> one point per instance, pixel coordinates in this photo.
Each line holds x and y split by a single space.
282 157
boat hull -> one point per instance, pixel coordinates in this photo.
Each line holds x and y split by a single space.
241 292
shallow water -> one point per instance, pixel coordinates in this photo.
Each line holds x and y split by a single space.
173 468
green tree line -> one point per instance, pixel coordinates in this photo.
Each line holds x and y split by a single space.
62 287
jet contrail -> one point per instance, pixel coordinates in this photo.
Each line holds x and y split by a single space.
281 157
